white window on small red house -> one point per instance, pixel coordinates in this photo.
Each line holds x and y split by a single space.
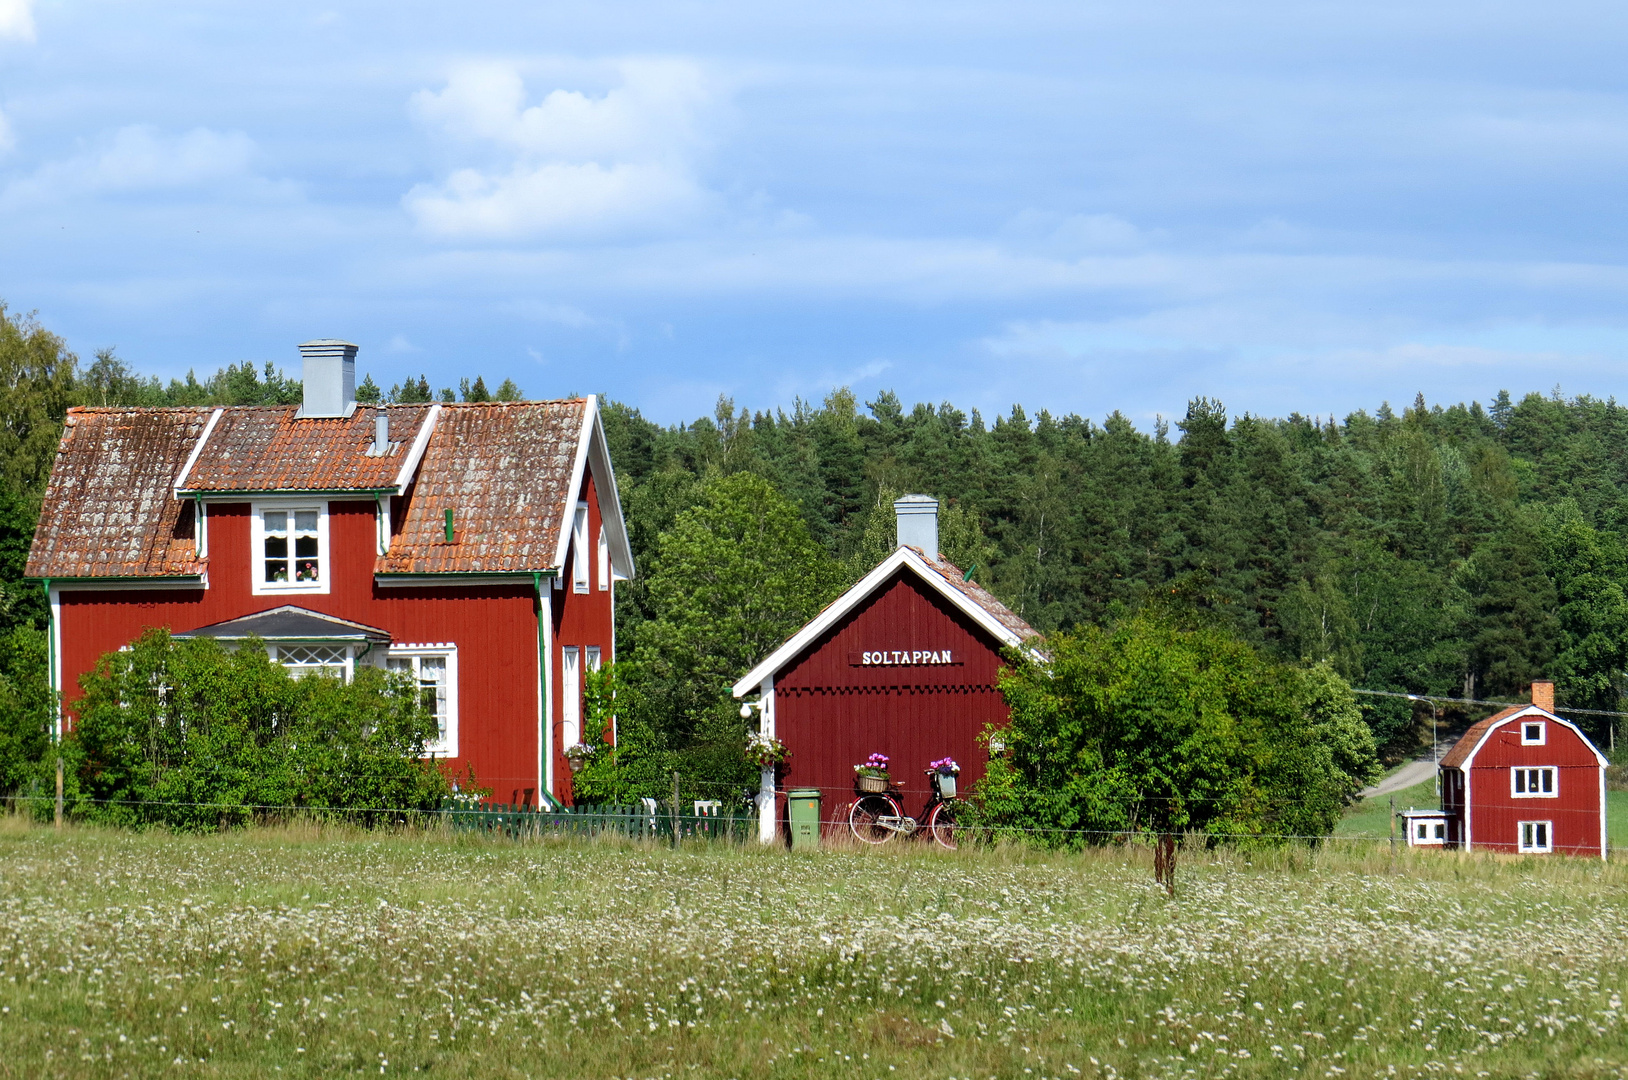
579 550
604 560
301 660
1540 783
1536 837
289 547
1533 732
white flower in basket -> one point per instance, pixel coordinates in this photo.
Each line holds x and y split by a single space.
577 754
766 750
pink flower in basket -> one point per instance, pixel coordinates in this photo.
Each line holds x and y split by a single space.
875 765
947 766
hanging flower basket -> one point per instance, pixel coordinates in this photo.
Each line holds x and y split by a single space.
871 776
577 755
766 750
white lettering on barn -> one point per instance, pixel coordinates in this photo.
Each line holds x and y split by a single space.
901 657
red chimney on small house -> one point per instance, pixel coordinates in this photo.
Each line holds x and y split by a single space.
1543 694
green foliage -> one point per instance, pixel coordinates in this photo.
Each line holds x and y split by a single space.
187 734
1151 726
508 391
369 393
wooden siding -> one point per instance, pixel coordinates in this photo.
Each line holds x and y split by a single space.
580 620
832 714
1494 814
494 627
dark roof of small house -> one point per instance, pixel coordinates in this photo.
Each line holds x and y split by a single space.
290 623
269 449
494 466
980 596
109 510
1460 753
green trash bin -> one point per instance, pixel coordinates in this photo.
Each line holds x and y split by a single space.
805 817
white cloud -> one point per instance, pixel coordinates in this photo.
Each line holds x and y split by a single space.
141 159
17 20
7 139
573 165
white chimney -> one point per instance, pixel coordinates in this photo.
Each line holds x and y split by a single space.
330 378
917 517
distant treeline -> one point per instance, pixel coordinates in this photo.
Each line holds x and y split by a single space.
1456 551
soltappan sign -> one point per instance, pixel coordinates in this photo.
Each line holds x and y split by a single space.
901 658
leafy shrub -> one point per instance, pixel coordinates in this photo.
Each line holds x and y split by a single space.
192 735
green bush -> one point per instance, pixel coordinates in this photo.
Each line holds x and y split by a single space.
191 735
1150 727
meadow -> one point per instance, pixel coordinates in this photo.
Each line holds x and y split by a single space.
308 951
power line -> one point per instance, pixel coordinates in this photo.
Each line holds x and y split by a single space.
1478 701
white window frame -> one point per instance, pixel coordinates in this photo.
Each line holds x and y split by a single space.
603 565
275 653
1526 830
257 548
447 745
570 696
580 571
1522 778
1543 732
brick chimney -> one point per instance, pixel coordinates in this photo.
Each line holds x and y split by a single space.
916 517
329 377
1543 694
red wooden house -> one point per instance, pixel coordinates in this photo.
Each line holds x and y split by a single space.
1525 781
474 546
903 664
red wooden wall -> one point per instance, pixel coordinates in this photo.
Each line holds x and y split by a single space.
579 620
494 627
1575 811
832 714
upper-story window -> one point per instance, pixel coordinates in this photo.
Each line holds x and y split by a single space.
579 549
1533 783
290 547
1533 732
604 560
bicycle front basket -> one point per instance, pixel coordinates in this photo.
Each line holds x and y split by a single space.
872 785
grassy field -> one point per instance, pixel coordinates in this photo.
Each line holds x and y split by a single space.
303 953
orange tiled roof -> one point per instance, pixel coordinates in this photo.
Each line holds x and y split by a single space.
504 470
1460 753
109 510
267 449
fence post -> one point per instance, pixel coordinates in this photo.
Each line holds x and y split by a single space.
675 808
59 788
1393 826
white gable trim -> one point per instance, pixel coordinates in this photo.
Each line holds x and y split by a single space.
593 453
842 605
421 442
197 448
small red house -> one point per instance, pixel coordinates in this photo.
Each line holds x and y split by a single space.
1525 781
475 547
902 664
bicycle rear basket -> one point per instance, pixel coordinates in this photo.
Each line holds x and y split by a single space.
872 785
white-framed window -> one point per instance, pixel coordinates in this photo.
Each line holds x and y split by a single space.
434 671
603 565
1537 836
302 660
571 692
289 547
579 549
1533 732
592 657
1539 783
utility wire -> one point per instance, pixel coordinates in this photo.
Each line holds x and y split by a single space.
1478 701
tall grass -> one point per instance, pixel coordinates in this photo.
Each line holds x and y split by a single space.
314 950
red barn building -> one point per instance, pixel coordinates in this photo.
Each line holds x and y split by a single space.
1525 781
474 546
902 664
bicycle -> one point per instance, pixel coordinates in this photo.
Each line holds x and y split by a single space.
877 817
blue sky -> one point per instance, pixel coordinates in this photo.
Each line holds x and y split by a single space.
1083 207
